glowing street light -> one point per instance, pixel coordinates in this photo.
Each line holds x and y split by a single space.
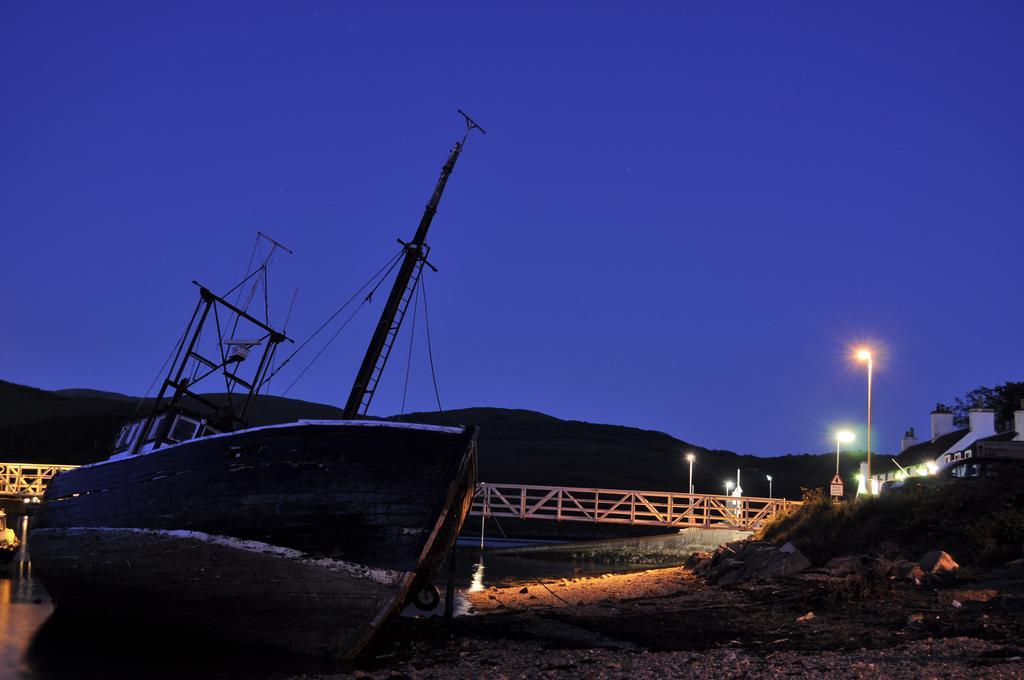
864 354
842 437
689 459
769 485
728 486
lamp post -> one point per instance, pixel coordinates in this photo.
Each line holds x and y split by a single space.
769 486
689 459
864 354
728 486
842 437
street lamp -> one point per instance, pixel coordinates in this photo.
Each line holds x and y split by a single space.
689 459
864 354
842 437
769 485
728 486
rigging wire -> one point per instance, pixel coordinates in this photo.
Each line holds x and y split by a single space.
430 351
159 373
380 274
322 349
273 356
412 333
248 269
266 290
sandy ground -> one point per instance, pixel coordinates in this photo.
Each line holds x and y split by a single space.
666 622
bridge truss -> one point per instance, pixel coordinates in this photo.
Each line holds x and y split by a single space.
621 506
27 480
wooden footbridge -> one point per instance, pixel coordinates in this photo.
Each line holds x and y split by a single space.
27 481
621 506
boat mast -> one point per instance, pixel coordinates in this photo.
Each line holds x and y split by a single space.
394 310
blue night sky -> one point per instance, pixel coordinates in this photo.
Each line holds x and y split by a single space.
682 216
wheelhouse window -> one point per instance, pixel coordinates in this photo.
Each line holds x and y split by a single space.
184 428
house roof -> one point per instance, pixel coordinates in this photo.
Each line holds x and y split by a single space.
920 453
931 450
998 437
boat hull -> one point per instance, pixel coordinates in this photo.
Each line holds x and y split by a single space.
304 537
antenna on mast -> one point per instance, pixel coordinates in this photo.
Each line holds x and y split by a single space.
470 124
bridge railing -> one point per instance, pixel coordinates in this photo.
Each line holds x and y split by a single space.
27 480
623 506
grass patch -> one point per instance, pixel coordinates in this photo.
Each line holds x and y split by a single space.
979 522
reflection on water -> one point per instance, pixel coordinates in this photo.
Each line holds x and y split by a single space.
476 584
39 643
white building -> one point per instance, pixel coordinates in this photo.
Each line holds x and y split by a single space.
950 446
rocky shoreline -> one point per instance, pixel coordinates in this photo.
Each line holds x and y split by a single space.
849 619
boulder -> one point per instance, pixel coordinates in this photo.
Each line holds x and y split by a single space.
905 570
939 566
847 565
757 560
695 559
744 560
730 578
776 563
723 568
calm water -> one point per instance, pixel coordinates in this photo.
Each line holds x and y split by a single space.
38 643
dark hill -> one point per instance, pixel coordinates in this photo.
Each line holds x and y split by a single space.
516 446
79 392
527 447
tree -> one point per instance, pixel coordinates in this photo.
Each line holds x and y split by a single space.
1003 399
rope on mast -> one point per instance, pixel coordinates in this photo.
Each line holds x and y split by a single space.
412 332
430 350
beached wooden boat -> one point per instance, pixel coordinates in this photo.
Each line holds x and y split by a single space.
304 536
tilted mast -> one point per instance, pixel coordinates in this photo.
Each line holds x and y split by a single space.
394 310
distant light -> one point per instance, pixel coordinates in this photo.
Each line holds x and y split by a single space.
769 477
864 354
858 476
690 457
844 436
728 486
932 467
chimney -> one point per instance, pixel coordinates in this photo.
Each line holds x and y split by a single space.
942 421
982 422
909 439
1018 423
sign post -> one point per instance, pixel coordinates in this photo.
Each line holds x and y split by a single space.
836 487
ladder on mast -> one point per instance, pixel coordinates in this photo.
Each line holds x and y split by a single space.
389 340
